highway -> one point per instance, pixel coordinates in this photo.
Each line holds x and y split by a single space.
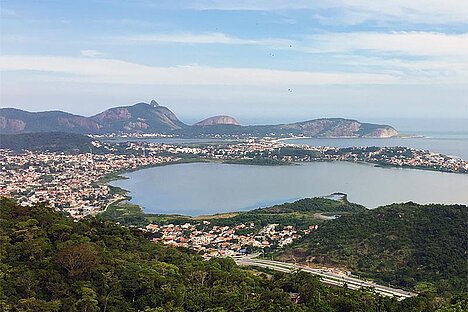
326 276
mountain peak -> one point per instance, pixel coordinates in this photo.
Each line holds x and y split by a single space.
218 120
154 103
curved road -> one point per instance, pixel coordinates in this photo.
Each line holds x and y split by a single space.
326 276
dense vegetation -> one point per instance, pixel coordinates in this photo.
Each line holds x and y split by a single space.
408 245
46 141
49 262
300 214
316 204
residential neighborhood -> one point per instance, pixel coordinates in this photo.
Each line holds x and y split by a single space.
76 182
212 240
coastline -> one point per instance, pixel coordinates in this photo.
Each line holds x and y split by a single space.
119 175
123 207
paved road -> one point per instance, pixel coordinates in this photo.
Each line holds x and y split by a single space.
326 276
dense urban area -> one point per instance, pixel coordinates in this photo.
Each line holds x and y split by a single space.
213 240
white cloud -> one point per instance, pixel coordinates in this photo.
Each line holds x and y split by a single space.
204 38
408 43
121 72
421 11
423 55
91 53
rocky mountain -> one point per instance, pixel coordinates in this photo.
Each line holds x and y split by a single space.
141 117
14 120
153 118
218 120
318 128
339 127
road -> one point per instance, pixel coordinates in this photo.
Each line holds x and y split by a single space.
326 276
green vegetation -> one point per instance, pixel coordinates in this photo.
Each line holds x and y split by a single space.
49 262
316 204
300 214
407 245
47 141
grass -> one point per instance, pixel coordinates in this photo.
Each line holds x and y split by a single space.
216 216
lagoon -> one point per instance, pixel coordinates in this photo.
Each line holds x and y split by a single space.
208 188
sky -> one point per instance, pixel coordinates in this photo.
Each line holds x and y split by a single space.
259 61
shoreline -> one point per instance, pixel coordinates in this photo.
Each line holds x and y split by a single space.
126 200
409 136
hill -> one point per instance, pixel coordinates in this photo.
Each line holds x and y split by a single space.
141 117
407 245
301 214
49 262
218 120
47 141
339 127
316 204
14 121
153 118
319 128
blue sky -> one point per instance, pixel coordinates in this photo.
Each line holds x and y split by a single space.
260 61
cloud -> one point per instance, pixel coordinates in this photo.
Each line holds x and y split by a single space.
408 43
426 55
91 53
204 38
356 58
420 11
121 72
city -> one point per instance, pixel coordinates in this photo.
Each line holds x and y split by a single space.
74 182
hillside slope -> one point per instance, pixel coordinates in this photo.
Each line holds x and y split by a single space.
49 262
401 244
47 141
218 120
141 117
319 128
14 121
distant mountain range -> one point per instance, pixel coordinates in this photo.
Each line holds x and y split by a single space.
154 118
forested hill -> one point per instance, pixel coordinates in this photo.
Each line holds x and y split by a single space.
407 245
46 141
49 262
316 204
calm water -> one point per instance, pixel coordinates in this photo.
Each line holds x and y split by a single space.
448 144
207 188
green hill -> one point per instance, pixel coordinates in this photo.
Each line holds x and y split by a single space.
316 204
49 262
300 213
47 141
407 245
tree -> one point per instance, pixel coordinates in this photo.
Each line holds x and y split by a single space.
88 301
78 259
